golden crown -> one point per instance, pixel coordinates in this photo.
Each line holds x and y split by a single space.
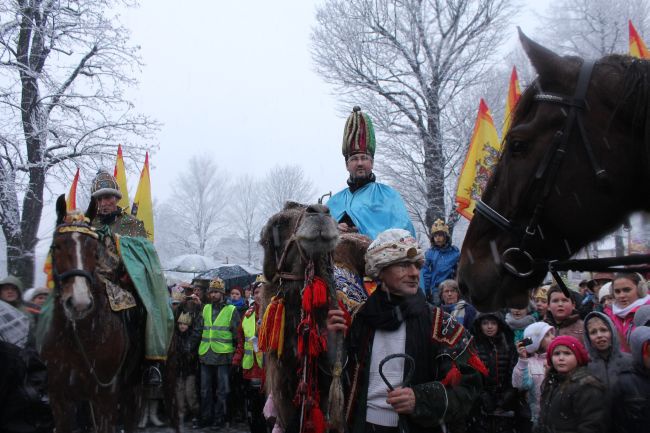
185 319
439 226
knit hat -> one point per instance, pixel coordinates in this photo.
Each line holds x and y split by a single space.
439 226
185 319
541 292
30 294
217 285
605 290
390 247
573 344
105 184
536 332
358 135
12 281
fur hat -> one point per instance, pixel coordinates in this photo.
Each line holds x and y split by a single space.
105 184
390 247
573 344
185 319
439 226
358 135
217 285
536 332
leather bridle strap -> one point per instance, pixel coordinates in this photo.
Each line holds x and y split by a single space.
280 274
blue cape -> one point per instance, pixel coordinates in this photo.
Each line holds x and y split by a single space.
373 209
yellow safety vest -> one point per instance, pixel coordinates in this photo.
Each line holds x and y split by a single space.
217 335
248 326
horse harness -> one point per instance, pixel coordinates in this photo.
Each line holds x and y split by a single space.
281 258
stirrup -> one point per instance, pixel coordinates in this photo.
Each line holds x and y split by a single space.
153 376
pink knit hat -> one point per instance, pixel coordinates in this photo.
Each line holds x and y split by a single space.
573 344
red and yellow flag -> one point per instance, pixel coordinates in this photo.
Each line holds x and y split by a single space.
71 203
484 149
638 48
514 92
142 203
120 175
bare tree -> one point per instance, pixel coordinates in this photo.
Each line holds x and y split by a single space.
407 62
197 204
248 215
64 67
285 183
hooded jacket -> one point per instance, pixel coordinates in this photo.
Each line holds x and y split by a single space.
439 265
606 366
631 393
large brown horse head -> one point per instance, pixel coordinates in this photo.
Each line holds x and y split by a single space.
581 190
294 235
74 252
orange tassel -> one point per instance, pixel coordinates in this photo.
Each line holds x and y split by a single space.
271 334
281 330
453 377
476 363
265 328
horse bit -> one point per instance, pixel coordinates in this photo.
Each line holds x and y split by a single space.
546 173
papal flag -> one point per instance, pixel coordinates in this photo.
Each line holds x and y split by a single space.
484 148
142 204
120 175
71 202
638 48
514 92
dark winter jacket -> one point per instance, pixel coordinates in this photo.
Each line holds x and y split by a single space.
573 403
631 393
572 325
439 265
187 352
606 366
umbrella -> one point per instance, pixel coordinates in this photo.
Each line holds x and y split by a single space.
191 263
231 274
14 325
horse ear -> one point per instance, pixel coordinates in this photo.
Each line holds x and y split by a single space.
91 212
61 209
546 62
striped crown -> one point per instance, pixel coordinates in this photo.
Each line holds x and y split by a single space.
359 134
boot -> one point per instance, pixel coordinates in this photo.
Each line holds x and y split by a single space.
153 413
145 416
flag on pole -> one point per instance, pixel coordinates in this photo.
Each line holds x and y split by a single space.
638 48
120 175
142 203
71 203
484 149
514 92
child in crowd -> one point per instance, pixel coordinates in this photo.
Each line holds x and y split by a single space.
605 299
562 314
573 400
540 298
529 372
631 394
187 366
606 361
518 319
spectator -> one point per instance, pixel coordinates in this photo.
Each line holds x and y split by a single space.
606 359
530 370
631 394
440 261
237 299
218 340
11 291
572 398
518 319
605 299
540 298
187 367
590 290
562 314
452 304
630 293
33 300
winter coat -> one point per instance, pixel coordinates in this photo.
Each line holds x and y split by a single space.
624 325
572 326
606 366
439 265
528 376
572 403
187 355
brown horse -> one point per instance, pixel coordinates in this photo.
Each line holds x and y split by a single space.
575 164
90 352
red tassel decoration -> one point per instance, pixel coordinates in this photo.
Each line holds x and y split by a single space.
307 299
476 363
316 423
319 292
453 377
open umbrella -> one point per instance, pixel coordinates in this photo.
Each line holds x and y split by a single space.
191 263
231 274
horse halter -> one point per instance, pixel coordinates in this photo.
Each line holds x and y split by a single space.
83 229
280 259
546 173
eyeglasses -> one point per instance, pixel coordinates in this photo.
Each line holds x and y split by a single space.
361 157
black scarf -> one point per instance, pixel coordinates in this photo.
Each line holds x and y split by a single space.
360 182
387 312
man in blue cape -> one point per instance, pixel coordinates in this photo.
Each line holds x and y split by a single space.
366 206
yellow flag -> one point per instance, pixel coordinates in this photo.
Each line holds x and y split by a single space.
71 203
484 149
142 203
120 175
514 92
638 48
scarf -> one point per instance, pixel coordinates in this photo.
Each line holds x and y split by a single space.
239 303
358 183
516 324
387 312
109 218
456 310
622 312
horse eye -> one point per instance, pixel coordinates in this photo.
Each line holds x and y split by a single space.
517 146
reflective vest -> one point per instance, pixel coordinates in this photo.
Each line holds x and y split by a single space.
248 326
217 336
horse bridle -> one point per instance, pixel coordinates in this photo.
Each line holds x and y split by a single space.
281 258
546 173
59 278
